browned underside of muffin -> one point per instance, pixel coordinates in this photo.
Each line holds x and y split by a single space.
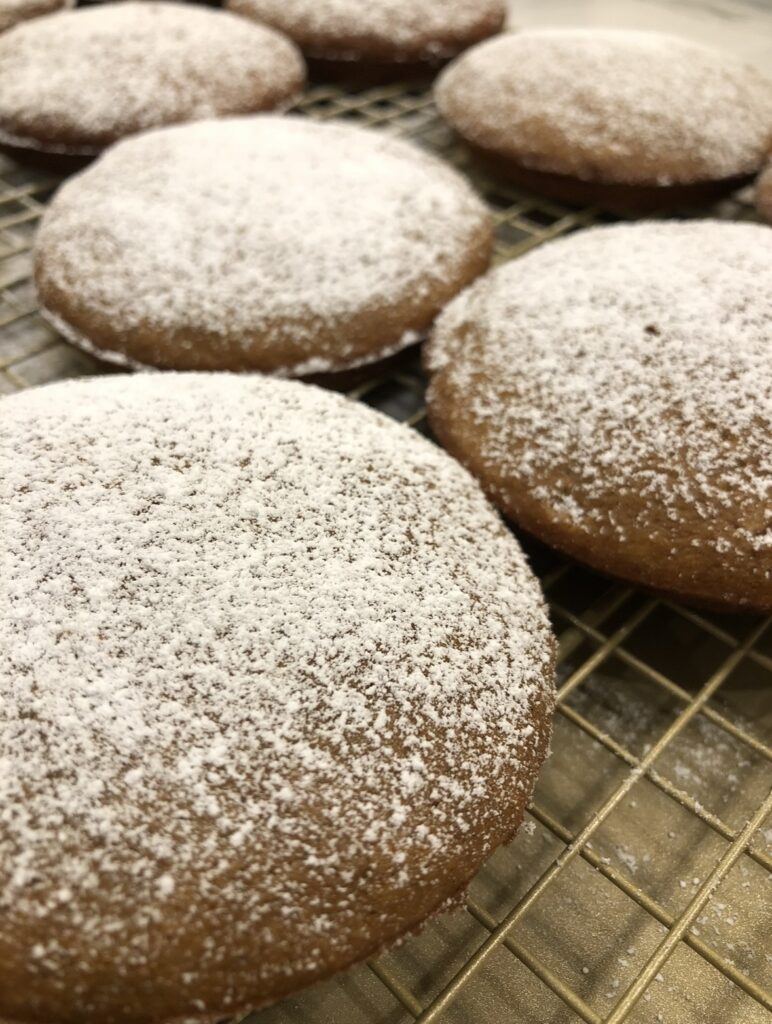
764 195
617 197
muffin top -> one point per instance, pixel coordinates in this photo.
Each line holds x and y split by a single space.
274 679
269 243
379 29
613 391
640 108
78 80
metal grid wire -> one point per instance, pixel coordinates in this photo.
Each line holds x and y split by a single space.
648 848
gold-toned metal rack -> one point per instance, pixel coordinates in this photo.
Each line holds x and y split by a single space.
639 888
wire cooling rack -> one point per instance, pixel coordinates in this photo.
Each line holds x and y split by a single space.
639 887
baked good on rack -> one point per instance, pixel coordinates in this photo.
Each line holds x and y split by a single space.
268 243
629 120
613 393
379 32
764 194
121 68
274 681
14 11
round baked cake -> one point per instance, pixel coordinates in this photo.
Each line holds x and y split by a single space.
274 679
76 81
272 243
379 32
14 11
613 393
623 118
764 194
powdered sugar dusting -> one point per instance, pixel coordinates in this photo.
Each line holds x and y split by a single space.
633 107
406 24
265 656
13 11
621 376
276 242
84 78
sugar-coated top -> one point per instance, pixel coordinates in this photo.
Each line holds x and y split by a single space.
611 105
86 77
254 640
275 227
13 11
431 25
621 377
